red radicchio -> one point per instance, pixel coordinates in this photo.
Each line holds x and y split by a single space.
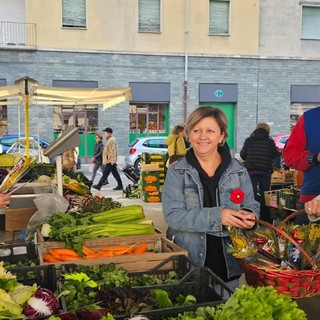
42 303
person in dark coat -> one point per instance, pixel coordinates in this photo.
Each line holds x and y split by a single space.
97 156
258 152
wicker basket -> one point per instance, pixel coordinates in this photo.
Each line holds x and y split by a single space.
295 283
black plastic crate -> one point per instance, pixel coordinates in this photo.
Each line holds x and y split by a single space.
200 282
13 253
38 170
208 289
18 251
44 276
180 264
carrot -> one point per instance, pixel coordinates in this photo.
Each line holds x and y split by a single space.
66 251
86 250
143 247
47 257
65 257
118 248
105 254
127 250
54 253
92 255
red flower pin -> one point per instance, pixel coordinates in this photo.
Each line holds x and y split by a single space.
237 196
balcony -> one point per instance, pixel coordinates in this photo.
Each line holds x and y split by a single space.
18 35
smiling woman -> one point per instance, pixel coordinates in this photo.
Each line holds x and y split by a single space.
199 196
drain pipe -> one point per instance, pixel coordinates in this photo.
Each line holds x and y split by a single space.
185 83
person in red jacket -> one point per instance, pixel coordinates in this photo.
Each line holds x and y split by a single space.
313 209
302 152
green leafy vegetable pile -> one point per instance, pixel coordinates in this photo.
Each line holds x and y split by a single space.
248 303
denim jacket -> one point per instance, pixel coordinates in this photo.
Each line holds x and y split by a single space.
189 222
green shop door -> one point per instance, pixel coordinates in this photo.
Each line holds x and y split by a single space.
228 109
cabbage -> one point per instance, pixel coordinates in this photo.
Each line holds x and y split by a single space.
21 293
44 178
66 179
8 308
43 303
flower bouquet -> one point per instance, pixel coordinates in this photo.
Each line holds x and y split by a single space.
286 257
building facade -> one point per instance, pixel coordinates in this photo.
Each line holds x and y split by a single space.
256 60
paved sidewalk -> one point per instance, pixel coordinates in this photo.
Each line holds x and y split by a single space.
151 210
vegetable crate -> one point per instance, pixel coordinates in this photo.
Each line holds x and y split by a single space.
159 249
287 198
282 176
180 264
43 276
208 289
270 198
15 253
19 251
47 169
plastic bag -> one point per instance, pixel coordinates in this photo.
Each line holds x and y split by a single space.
47 205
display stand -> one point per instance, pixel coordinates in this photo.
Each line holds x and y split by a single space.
69 139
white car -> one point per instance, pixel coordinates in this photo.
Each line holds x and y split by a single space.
35 150
146 144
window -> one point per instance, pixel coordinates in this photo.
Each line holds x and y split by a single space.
149 15
84 117
147 118
310 22
219 16
74 14
155 143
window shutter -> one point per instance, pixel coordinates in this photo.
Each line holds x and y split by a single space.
310 22
74 13
149 15
218 17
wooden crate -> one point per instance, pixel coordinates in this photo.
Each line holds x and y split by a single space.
162 247
282 176
17 219
270 198
149 167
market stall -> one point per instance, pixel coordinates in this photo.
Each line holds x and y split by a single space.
27 92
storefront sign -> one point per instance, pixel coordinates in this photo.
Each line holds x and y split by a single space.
217 92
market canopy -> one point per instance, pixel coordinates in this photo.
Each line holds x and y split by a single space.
29 89
26 91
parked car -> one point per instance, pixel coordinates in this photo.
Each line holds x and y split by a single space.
280 140
140 145
6 141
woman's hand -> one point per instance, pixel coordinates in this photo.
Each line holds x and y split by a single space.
313 207
239 219
4 200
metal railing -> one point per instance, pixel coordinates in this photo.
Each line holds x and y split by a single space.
18 34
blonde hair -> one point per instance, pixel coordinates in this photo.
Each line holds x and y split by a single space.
204 112
177 129
264 126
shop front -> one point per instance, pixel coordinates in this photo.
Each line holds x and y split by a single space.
149 109
224 97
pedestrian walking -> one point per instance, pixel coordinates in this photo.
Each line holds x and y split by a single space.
97 157
109 160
